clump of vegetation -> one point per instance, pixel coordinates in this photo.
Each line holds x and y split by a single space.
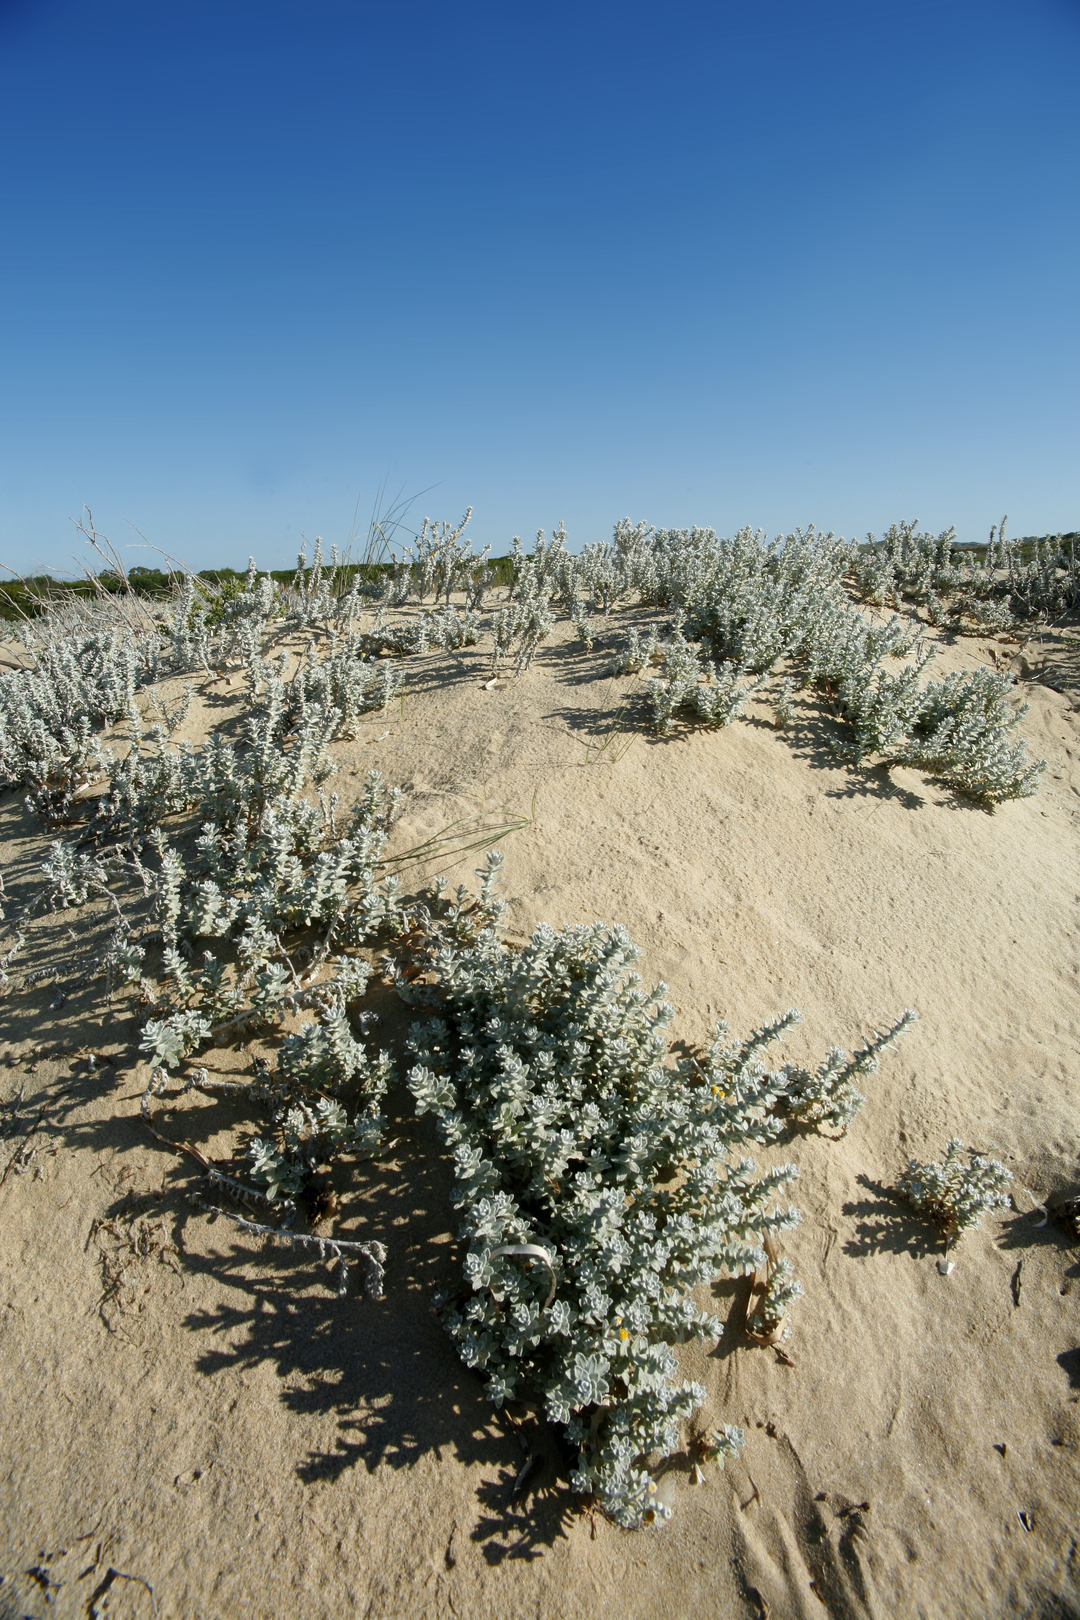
598 1184
693 687
981 590
954 1194
527 620
745 609
50 712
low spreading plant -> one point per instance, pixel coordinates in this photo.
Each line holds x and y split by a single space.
599 1186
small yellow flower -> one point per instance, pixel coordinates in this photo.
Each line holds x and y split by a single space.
623 1333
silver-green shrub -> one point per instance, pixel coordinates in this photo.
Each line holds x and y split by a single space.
953 1194
598 1187
752 607
527 620
963 589
694 687
638 653
50 712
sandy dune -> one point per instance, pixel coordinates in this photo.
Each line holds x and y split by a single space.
184 1406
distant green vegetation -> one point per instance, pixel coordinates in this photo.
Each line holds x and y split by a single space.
29 596
976 550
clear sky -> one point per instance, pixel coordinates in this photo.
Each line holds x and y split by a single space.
719 263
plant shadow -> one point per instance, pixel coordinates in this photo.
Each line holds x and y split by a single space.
818 740
814 738
379 1379
1051 1226
1069 1362
373 1384
888 1225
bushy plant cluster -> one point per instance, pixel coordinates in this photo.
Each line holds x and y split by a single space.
235 896
768 1323
309 1126
600 1184
954 1194
446 563
270 862
268 893
690 685
50 711
745 608
527 620
76 683
960 730
979 592
440 561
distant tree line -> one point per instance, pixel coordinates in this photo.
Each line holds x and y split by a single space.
27 597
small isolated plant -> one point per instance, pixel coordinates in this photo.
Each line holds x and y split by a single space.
583 629
767 1324
954 1194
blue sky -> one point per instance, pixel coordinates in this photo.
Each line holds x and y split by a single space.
764 263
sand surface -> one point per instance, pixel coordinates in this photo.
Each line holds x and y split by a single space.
184 1406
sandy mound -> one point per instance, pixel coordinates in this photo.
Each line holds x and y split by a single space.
190 1412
